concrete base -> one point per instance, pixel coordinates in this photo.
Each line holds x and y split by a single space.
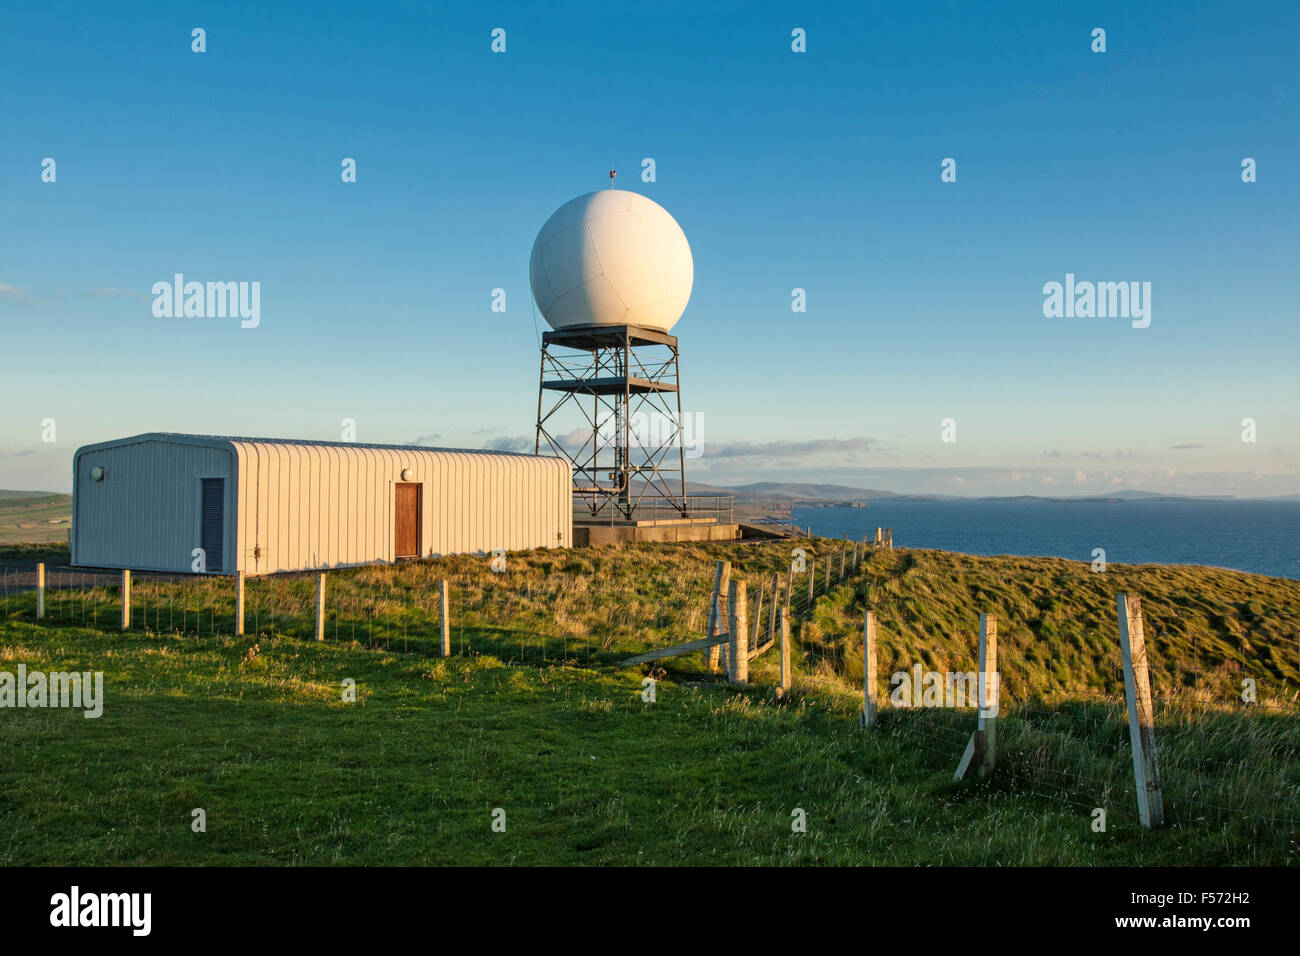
595 533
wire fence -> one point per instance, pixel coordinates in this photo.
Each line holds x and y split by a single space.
1220 756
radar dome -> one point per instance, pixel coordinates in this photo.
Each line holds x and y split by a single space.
611 257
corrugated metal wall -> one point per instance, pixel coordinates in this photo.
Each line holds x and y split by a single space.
319 506
297 505
144 515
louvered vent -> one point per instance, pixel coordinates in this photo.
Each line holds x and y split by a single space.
212 523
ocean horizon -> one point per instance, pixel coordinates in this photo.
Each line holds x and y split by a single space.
1259 537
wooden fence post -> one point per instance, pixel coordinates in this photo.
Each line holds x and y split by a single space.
1141 712
40 590
869 679
829 559
126 600
812 577
721 577
789 590
889 539
776 599
444 618
320 606
239 602
737 656
981 752
783 629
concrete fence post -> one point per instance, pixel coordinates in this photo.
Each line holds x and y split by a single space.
981 752
870 681
40 590
721 578
444 618
783 630
126 600
239 602
1141 712
320 606
737 658
776 599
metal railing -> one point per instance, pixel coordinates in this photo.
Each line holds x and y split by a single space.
600 505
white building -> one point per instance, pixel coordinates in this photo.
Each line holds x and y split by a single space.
262 505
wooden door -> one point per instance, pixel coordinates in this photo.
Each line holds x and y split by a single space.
406 534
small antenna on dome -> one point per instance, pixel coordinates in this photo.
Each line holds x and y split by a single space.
612 174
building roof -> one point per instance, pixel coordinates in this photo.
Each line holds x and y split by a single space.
231 440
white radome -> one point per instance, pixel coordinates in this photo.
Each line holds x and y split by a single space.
611 257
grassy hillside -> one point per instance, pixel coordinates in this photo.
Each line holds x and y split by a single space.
34 517
533 717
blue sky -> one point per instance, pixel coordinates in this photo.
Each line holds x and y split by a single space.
818 170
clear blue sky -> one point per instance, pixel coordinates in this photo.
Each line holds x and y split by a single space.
818 170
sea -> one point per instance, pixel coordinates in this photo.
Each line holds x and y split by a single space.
1262 537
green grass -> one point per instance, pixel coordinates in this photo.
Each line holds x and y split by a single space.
34 517
589 773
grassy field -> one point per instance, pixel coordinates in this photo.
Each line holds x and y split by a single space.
34 517
532 717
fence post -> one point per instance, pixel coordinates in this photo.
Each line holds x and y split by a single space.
40 590
776 599
981 752
239 602
721 577
758 619
789 589
737 658
829 559
126 600
320 606
870 703
444 618
1141 712
783 627
889 539
812 576
878 537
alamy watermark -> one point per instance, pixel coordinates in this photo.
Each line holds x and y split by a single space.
56 689
922 688
654 430
213 300
1102 300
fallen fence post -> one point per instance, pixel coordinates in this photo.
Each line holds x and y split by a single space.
869 679
758 620
737 656
783 627
40 590
126 600
239 602
981 752
320 606
444 618
1141 711
721 576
